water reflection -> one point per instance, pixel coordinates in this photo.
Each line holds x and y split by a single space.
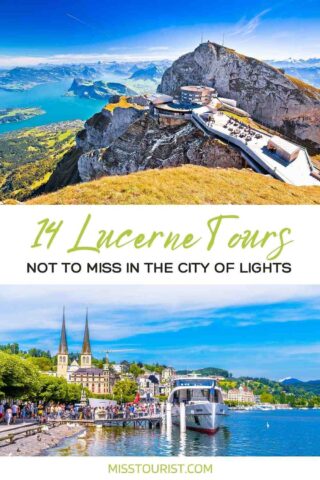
290 433
142 442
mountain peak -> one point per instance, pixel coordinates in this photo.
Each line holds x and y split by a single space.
268 94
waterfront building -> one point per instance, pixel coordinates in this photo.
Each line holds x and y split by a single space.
240 395
63 356
97 380
120 368
148 386
167 374
86 355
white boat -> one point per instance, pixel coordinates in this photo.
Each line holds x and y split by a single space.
265 407
203 401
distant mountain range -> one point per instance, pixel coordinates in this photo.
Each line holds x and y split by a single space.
312 386
294 62
99 89
306 70
152 72
290 381
25 78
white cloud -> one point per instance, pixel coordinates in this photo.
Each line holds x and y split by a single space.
152 308
152 53
158 49
246 27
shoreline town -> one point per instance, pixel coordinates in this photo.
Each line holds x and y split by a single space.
110 395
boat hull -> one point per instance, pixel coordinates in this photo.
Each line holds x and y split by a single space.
202 417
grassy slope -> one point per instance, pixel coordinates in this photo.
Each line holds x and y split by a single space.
310 90
183 185
28 157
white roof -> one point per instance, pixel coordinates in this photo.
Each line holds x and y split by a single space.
201 110
284 144
159 98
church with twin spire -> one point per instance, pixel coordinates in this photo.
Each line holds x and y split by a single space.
97 380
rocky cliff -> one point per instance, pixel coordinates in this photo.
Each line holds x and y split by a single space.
271 97
99 132
113 120
125 138
147 145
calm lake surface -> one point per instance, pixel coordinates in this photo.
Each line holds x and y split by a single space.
290 433
50 97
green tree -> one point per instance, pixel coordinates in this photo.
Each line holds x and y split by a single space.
19 378
52 389
43 363
74 393
266 398
125 390
227 384
57 389
36 352
10 348
136 370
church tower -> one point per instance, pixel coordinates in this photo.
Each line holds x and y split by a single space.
63 357
86 356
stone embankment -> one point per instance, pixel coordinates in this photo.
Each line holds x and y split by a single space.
34 445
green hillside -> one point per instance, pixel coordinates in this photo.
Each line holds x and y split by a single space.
188 184
29 156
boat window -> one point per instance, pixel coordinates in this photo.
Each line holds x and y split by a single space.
200 395
216 396
192 382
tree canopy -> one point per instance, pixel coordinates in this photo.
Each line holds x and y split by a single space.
125 390
18 376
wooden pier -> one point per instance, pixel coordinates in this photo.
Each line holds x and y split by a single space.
135 422
9 434
153 421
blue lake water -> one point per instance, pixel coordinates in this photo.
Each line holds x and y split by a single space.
50 97
290 433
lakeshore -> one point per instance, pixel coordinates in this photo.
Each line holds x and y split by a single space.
243 433
37 444
290 433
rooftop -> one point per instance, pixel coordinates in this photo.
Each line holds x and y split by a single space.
295 173
284 144
159 98
197 88
178 107
90 371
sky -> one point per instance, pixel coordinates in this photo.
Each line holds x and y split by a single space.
269 331
34 31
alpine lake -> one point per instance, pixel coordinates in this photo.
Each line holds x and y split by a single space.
52 98
244 433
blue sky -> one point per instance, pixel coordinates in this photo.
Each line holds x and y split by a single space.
268 331
56 30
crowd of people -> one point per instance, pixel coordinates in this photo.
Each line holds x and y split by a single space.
11 412
127 410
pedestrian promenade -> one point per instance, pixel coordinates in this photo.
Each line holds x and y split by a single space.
18 425
298 172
